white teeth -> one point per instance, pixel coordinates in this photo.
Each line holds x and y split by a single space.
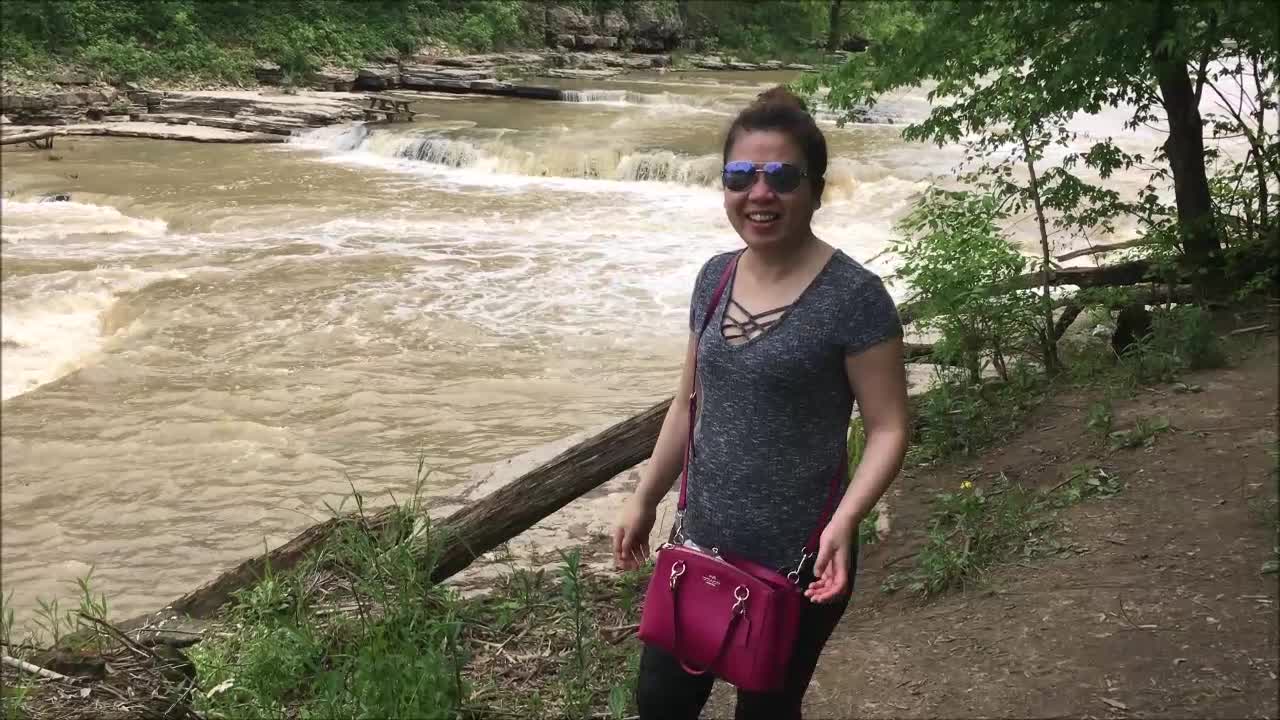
762 217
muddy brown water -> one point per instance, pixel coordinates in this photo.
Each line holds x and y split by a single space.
210 343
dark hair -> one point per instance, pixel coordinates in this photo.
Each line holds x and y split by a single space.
778 109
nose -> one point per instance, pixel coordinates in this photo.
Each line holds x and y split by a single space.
760 189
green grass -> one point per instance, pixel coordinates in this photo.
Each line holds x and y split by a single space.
975 528
360 630
1142 434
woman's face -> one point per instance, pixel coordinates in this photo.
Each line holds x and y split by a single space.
762 216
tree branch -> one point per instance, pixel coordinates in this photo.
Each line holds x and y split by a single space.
1254 141
1202 72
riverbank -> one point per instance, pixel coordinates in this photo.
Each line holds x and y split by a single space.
1138 580
85 107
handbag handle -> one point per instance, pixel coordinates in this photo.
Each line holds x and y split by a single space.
735 613
811 545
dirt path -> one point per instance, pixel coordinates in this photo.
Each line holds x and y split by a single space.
1158 608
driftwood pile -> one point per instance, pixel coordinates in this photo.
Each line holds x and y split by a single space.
107 677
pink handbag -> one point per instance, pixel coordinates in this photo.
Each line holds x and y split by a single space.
719 614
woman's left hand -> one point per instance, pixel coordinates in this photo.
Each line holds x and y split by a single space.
831 569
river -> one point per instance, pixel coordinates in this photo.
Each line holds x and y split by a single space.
210 343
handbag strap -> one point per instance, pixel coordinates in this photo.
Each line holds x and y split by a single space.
811 545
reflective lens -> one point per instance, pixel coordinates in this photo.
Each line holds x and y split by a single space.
781 177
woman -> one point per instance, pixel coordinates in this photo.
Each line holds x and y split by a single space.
802 330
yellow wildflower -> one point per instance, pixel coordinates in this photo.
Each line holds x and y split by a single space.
966 485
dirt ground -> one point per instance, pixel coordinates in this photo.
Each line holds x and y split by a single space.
1159 609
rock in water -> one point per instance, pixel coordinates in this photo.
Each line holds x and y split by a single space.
56 197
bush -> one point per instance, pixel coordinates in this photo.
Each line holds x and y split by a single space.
959 417
130 40
1182 338
953 253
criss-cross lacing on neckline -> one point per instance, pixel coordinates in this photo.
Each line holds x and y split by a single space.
741 325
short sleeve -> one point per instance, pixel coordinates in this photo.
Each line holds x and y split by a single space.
870 316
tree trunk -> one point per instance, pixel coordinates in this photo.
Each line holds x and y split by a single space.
1048 339
1259 159
833 29
522 502
1185 146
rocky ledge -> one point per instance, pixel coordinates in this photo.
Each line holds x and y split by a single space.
245 111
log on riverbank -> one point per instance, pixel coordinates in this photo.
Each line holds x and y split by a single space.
150 131
187 133
1124 274
33 136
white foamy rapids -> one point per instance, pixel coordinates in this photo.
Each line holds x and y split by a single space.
499 158
53 323
32 222
660 100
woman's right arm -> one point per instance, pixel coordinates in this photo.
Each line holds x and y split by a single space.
631 537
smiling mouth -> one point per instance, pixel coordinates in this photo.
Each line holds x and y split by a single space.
762 217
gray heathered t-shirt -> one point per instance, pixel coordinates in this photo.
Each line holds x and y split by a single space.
774 411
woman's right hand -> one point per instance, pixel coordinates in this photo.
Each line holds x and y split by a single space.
631 537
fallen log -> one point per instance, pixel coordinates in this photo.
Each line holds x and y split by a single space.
33 136
33 669
917 352
206 600
188 135
1100 249
1125 273
521 503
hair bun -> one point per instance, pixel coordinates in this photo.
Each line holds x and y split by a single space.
780 97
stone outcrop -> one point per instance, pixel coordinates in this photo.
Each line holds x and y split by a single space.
716 62
581 74
268 73
377 77
295 110
64 106
654 28
334 79
229 110
463 72
641 25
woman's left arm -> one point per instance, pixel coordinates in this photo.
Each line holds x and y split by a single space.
877 377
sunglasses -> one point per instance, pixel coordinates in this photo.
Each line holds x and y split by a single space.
780 177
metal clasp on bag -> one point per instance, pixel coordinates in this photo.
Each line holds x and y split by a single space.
677 569
741 593
794 575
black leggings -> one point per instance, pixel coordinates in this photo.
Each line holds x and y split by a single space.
665 691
